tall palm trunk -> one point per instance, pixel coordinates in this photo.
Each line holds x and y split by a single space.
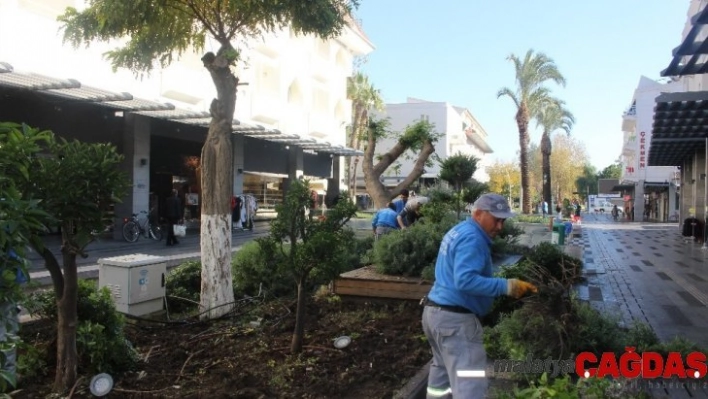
522 122
362 118
217 295
546 151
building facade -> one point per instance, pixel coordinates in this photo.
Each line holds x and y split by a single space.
651 190
460 133
290 119
679 134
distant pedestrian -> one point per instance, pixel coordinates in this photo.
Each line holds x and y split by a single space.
173 211
545 209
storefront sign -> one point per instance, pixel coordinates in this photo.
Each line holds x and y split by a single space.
642 150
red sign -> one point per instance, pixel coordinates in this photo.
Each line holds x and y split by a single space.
642 151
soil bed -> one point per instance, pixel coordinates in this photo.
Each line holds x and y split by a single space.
230 359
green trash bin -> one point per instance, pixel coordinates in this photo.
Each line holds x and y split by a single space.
558 234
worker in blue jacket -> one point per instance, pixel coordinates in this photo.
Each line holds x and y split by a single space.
400 202
384 220
463 291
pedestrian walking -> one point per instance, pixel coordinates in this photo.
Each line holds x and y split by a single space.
463 291
173 212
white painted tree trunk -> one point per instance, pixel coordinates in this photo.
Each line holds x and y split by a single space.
217 297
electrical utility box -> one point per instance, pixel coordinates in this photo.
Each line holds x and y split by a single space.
136 282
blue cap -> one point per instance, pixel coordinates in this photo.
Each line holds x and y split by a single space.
495 204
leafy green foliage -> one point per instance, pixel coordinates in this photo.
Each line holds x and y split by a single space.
410 251
530 219
414 135
312 250
259 262
182 287
20 218
506 241
158 30
315 245
458 169
559 266
101 343
92 172
613 171
566 388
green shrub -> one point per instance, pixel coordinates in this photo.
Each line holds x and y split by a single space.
641 336
677 344
183 287
530 219
358 252
558 265
253 268
506 241
100 341
593 331
408 252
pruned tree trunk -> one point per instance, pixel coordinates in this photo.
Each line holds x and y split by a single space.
546 152
217 296
372 173
522 121
67 300
299 332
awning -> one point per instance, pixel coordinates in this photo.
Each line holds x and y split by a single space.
680 127
691 57
73 90
657 187
623 187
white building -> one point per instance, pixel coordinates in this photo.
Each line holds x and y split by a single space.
650 189
293 93
460 133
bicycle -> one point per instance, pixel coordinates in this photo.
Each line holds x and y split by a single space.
133 228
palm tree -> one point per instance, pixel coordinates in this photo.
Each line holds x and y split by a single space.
364 97
551 116
529 95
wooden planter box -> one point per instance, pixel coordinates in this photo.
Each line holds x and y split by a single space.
367 282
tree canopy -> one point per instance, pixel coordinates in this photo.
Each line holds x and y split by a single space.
161 30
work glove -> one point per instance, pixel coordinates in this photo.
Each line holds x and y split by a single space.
518 288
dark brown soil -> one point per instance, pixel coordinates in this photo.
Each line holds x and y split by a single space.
230 359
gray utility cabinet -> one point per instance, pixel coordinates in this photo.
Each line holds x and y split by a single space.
136 282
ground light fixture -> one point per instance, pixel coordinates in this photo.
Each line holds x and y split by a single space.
101 384
342 342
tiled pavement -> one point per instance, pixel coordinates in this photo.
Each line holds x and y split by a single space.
648 272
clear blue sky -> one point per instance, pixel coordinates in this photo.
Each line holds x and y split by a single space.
455 51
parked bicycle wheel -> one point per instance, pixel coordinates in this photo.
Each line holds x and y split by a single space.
131 231
156 232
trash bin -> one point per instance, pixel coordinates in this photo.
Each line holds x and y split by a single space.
558 234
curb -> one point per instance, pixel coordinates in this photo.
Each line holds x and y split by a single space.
416 386
42 279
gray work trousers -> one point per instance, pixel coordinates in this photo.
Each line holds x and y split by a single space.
383 230
456 341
